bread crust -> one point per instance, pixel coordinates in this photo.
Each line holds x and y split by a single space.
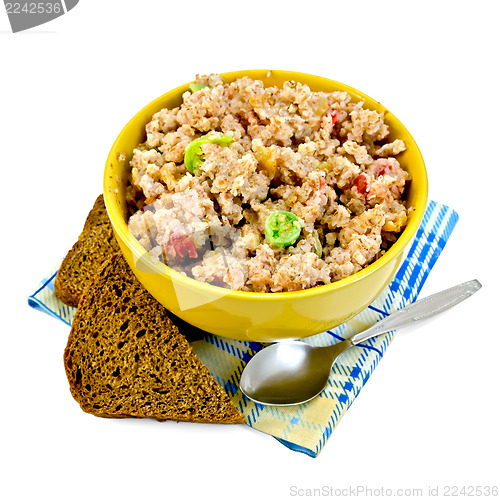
95 244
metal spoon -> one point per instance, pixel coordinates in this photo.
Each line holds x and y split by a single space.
289 373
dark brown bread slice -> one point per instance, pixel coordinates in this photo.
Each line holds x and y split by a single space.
125 357
95 244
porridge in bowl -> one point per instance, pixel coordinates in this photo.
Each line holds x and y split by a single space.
267 189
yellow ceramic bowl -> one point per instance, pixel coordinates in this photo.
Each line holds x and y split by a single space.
262 317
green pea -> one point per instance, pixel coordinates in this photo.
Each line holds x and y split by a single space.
282 228
193 155
194 87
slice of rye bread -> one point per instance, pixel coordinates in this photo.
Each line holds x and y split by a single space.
95 244
125 357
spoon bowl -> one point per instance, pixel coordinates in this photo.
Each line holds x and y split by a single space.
283 365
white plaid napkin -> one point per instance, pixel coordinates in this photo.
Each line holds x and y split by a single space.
307 427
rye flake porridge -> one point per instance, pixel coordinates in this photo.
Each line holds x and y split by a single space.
266 189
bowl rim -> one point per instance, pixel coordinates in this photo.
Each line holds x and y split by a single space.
121 227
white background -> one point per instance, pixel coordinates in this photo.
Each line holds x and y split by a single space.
429 416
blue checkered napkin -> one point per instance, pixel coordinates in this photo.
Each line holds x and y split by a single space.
307 427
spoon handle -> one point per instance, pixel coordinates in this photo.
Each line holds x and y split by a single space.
422 309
